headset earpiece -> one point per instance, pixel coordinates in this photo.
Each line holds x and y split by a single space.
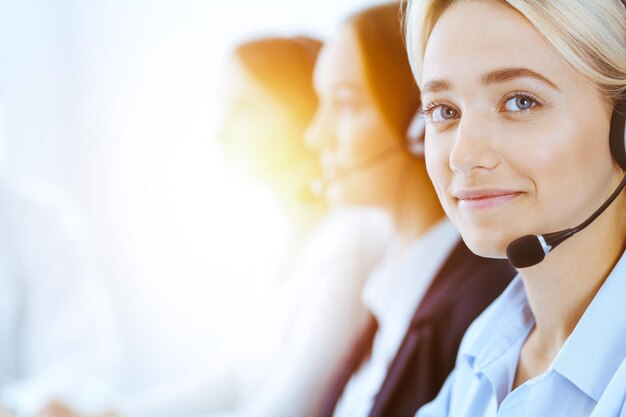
617 136
415 135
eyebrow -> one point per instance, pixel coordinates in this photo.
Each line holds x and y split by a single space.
508 74
493 77
435 86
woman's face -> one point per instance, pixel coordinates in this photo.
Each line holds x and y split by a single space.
516 141
361 155
257 130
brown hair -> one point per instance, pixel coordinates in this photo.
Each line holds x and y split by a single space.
284 66
378 32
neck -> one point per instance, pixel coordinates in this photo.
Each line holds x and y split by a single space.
561 287
415 208
302 208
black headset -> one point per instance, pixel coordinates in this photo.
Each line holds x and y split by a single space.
415 135
617 136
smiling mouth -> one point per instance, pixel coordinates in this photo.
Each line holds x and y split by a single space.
483 200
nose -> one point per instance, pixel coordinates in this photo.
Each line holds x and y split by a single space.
317 135
473 148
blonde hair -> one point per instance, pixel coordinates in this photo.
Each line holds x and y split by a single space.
589 35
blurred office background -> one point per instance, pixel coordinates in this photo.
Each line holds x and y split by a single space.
116 102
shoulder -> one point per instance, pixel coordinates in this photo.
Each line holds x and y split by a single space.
41 227
350 234
356 222
614 397
33 204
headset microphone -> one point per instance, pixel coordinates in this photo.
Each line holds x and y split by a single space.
529 250
414 144
319 185
415 135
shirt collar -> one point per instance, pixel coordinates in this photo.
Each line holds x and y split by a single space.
597 346
499 327
397 285
590 356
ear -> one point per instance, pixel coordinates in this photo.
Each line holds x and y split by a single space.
415 135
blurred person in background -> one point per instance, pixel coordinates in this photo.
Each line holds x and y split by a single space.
428 287
269 90
304 325
267 101
59 346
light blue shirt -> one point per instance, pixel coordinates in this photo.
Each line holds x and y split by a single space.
587 377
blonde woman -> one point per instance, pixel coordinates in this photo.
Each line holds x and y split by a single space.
520 99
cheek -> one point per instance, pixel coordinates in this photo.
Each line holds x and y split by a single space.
576 169
346 134
359 138
564 167
437 156
237 133
561 159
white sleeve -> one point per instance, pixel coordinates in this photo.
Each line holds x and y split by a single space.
328 280
67 345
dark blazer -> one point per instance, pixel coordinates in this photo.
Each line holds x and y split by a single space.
464 286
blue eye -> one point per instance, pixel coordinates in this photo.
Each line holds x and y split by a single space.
520 103
443 113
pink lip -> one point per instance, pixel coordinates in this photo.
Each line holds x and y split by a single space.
482 199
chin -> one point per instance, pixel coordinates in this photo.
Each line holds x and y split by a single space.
342 196
335 196
486 243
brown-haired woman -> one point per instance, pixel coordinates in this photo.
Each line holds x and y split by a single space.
429 287
268 101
